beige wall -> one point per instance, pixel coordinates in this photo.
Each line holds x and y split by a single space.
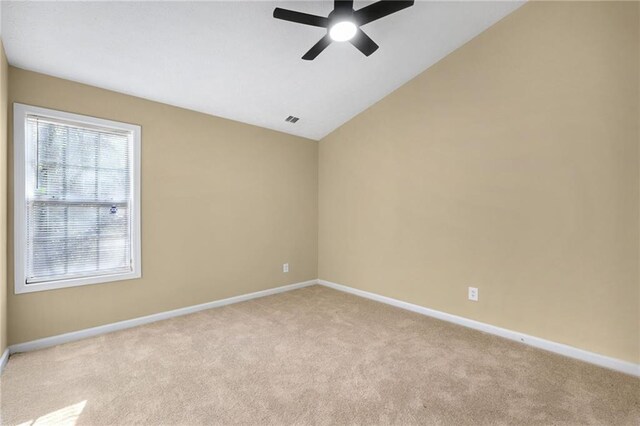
224 205
511 165
4 75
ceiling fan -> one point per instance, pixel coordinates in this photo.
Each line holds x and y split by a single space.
343 23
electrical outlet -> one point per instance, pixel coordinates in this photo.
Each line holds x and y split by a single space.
285 267
473 294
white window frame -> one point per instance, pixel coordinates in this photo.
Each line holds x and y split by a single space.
20 114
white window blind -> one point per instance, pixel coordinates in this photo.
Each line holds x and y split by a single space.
78 201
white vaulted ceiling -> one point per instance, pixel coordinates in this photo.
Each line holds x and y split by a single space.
233 59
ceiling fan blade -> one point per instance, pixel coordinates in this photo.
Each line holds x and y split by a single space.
343 5
379 10
300 18
317 48
364 43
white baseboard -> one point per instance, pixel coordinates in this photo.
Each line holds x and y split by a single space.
559 348
121 325
4 359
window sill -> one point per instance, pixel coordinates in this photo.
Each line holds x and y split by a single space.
75 282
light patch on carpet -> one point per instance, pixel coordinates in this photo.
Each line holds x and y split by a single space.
67 416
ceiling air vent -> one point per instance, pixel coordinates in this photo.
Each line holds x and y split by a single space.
292 119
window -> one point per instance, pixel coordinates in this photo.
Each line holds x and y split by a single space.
77 200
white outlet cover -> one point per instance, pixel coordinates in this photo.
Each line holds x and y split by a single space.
473 294
285 267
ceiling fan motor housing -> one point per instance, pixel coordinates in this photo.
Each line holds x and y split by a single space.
340 15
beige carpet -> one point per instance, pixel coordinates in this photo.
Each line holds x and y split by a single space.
311 356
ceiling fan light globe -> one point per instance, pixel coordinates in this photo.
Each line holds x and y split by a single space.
343 31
